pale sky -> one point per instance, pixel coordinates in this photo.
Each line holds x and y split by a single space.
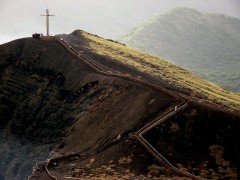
106 18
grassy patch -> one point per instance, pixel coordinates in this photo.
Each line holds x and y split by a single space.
163 69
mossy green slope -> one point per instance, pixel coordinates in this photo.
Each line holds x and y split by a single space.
162 69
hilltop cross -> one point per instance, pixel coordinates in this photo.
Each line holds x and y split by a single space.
47 20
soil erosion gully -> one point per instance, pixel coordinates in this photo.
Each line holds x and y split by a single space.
139 134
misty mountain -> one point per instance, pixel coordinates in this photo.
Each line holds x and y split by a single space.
208 44
107 18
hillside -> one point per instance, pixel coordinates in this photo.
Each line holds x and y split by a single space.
160 68
79 109
207 44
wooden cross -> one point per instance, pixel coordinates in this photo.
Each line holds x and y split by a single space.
47 20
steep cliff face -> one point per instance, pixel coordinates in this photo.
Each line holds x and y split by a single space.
32 89
35 108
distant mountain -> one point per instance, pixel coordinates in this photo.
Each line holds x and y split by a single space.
208 44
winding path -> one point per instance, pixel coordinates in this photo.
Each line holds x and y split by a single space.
139 134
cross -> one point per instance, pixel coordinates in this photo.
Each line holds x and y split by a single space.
47 20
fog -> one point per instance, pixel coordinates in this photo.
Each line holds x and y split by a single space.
106 18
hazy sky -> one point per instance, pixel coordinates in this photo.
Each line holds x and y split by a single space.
107 18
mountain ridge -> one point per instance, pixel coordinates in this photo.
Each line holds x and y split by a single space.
158 67
204 43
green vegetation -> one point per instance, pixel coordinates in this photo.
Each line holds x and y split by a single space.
163 69
207 44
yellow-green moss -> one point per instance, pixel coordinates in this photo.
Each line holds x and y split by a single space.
163 69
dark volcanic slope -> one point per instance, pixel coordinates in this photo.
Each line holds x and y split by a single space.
44 90
52 103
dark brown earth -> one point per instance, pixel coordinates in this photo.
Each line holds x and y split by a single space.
51 99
